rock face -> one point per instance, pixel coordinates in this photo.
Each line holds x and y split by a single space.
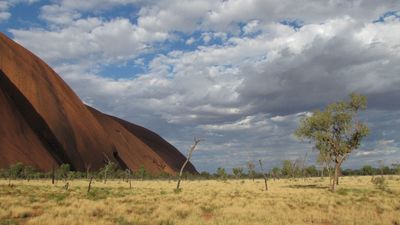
44 124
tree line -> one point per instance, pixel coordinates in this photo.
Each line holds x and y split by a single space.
288 169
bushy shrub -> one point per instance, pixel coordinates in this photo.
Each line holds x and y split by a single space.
380 183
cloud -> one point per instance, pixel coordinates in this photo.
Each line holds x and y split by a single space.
114 40
4 14
64 12
190 41
5 7
58 15
229 71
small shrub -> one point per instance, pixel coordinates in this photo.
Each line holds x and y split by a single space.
380 183
122 221
182 213
207 208
177 191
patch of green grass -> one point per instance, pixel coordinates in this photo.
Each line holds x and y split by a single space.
8 222
122 221
166 222
32 199
58 197
207 208
354 191
176 191
98 194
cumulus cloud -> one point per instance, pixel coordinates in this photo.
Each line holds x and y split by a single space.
109 41
5 7
4 14
246 79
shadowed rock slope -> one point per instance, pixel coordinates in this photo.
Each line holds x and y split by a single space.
44 124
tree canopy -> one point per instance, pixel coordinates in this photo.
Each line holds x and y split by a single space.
336 131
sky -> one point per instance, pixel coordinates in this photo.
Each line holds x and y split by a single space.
238 73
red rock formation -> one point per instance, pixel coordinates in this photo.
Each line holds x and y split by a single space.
45 124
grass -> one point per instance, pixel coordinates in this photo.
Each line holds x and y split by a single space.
300 201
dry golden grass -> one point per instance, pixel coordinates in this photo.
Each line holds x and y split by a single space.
301 201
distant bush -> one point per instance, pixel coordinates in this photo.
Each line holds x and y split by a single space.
380 183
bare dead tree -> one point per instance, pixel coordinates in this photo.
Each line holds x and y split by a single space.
66 186
106 167
87 170
90 184
264 175
191 150
53 175
294 164
129 180
303 166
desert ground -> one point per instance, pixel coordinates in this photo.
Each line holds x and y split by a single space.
288 201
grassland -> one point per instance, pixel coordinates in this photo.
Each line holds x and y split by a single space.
301 201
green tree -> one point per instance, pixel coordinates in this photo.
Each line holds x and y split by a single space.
336 131
276 172
367 170
141 172
238 172
221 173
16 171
311 171
29 172
288 168
108 170
205 175
396 168
251 172
63 171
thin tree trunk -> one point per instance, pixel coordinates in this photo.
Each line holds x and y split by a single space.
339 172
90 184
264 175
130 181
52 175
87 171
335 177
191 150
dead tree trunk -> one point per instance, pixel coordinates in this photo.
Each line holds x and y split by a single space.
191 150
105 175
52 175
90 184
87 171
264 175
66 186
129 178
